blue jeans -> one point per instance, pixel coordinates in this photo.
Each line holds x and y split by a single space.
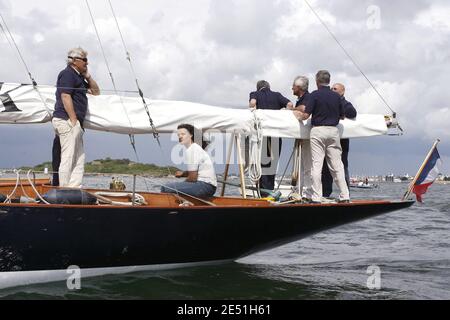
197 189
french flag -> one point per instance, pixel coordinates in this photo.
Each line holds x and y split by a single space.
429 173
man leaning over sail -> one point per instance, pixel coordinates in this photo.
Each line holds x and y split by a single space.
326 110
264 98
70 110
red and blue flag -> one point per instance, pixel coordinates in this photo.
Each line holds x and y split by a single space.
429 173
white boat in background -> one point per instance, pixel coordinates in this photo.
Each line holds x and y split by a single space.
363 185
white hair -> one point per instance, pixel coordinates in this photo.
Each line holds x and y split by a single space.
302 82
76 53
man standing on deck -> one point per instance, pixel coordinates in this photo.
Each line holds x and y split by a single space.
300 89
70 110
350 113
326 110
264 98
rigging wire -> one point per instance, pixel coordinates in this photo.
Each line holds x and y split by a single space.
285 169
128 57
150 182
180 192
131 136
17 48
9 42
352 60
24 63
71 88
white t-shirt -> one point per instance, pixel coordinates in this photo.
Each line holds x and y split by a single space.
198 159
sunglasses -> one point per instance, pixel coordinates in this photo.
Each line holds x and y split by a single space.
83 59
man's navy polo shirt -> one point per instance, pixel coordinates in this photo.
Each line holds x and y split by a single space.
267 99
71 82
325 107
303 100
349 109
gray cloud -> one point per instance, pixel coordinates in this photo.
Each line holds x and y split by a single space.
249 24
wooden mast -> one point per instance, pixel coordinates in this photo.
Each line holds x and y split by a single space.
227 165
241 165
235 140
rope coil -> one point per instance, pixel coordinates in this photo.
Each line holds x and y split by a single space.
256 141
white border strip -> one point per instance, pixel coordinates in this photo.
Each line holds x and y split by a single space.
22 278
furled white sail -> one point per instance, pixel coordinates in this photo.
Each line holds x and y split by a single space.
127 115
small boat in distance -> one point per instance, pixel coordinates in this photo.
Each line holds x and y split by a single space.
363 185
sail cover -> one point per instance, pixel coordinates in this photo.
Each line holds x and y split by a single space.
24 104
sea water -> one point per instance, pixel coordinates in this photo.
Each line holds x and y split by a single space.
406 252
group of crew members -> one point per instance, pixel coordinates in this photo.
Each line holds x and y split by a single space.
324 156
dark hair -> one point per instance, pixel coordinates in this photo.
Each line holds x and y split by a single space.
192 131
190 128
262 84
323 77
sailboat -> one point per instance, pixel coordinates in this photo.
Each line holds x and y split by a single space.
39 241
106 232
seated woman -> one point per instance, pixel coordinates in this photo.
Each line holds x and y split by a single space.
201 179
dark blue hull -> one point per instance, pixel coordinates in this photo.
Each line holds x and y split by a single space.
51 237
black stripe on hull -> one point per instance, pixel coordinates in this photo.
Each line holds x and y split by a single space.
52 237
6 103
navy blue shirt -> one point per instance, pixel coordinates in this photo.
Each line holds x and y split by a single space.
73 83
350 113
325 107
267 99
349 109
303 100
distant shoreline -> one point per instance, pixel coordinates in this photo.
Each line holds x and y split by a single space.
109 167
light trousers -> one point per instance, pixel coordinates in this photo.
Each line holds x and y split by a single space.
71 169
306 178
325 144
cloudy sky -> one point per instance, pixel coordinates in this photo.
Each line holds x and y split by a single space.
213 52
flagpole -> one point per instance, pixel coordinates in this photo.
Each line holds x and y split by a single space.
411 185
